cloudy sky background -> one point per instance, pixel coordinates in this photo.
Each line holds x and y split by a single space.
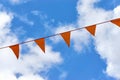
88 58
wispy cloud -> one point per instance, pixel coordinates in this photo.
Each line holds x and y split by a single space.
24 19
63 76
14 2
30 63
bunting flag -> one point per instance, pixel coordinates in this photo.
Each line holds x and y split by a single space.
116 22
41 43
66 37
15 49
91 29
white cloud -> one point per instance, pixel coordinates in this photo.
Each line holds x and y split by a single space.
6 76
36 61
30 63
18 1
11 76
5 19
31 77
24 19
107 44
107 35
89 14
15 1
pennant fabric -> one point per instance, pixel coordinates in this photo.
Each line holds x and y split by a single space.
66 37
15 49
116 22
91 29
41 43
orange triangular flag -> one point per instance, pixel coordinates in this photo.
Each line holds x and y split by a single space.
116 22
91 29
66 37
41 43
15 49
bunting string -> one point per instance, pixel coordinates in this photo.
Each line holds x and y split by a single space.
65 35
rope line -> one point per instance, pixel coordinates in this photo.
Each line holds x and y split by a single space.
57 34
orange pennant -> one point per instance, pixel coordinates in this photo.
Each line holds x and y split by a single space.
41 43
91 29
116 22
15 49
66 37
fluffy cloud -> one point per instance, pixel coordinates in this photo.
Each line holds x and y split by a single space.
5 19
36 61
30 77
108 47
107 40
30 63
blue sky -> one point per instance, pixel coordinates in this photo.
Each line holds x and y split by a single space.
39 18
